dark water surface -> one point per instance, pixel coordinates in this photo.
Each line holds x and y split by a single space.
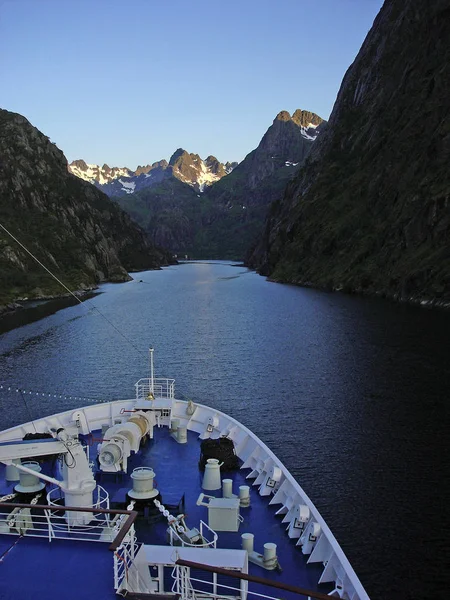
350 393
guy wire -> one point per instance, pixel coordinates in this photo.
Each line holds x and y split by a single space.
70 291
28 409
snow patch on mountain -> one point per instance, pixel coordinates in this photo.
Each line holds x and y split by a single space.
128 187
188 168
306 133
97 174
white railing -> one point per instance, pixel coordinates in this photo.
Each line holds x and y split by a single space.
53 524
175 537
123 560
101 501
127 577
182 585
160 388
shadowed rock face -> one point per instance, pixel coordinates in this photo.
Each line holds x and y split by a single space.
72 227
370 211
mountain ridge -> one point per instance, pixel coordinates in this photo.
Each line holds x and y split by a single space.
185 166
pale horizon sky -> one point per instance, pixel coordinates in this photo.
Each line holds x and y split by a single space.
127 83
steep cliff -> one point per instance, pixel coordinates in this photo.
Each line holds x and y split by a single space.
234 208
69 225
370 211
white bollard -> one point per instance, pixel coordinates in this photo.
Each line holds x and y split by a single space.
182 435
270 552
247 542
227 488
244 495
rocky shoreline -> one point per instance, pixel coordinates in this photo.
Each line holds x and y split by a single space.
413 300
23 303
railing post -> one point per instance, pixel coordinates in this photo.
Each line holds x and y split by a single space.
244 589
49 523
215 586
116 572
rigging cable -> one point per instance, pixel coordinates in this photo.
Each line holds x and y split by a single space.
29 411
70 291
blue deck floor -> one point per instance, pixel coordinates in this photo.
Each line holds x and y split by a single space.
36 569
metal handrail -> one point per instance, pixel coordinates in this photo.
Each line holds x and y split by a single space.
212 543
161 387
253 578
132 516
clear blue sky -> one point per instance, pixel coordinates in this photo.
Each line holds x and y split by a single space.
127 83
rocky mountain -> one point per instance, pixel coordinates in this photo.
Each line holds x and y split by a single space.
370 210
121 181
199 174
68 224
223 221
235 207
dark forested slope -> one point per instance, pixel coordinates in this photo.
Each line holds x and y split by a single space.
69 225
370 210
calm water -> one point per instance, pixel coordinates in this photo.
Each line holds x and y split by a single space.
350 393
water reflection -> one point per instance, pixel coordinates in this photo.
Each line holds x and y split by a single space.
350 393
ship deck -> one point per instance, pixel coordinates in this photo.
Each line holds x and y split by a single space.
36 568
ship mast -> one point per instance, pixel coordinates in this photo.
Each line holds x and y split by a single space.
152 389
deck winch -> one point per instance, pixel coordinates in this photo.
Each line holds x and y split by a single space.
123 438
143 488
29 483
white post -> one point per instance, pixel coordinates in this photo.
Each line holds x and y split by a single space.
244 589
116 572
215 586
161 580
151 370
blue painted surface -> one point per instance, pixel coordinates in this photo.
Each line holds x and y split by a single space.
36 569
177 473
80 568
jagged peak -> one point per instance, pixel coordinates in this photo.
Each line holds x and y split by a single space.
80 163
283 115
306 118
160 163
176 155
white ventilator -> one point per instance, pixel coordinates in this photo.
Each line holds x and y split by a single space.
211 478
12 472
